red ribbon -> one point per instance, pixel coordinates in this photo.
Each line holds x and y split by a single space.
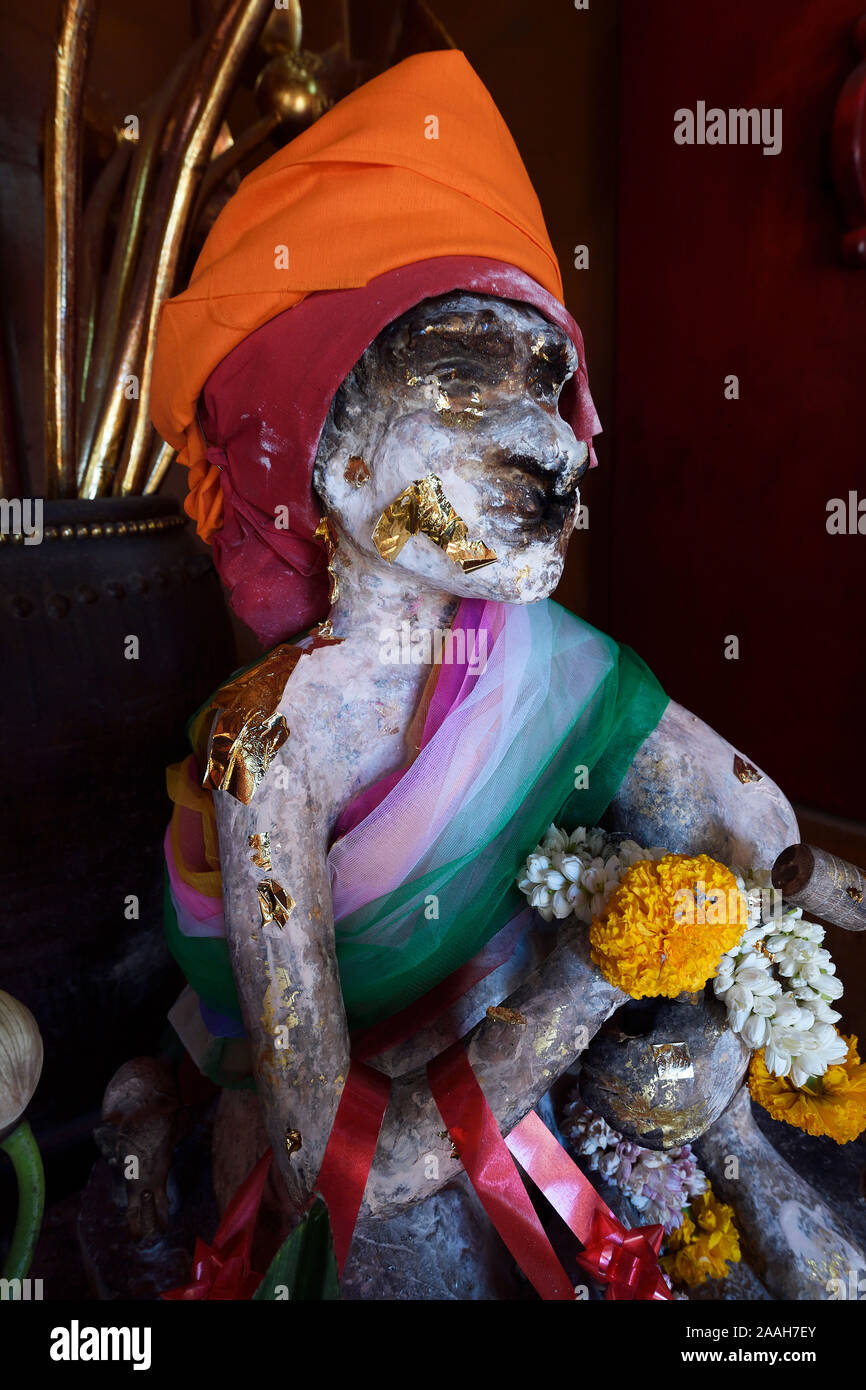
350 1149
556 1174
222 1270
627 1261
492 1172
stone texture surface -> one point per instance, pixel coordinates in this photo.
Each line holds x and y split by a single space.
682 792
791 1238
441 1248
639 1080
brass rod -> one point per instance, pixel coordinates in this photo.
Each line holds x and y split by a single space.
220 168
249 23
127 243
162 459
114 414
62 216
93 225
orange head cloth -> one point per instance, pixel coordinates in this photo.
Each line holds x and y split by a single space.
416 164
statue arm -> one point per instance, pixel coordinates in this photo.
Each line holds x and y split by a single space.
287 977
693 792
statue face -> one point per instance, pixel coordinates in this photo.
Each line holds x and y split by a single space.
465 387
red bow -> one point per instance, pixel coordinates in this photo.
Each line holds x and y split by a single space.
626 1261
222 1270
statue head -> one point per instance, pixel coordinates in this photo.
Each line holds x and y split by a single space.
465 387
385 291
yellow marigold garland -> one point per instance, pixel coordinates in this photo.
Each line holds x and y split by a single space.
644 941
701 1247
833 1104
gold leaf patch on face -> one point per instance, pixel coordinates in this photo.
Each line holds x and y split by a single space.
423 509
356 471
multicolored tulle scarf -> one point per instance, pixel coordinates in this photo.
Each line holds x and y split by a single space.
534 717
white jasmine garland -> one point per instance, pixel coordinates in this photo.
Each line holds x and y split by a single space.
575 875
779 997
778 983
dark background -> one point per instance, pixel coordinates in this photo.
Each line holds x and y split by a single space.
707 516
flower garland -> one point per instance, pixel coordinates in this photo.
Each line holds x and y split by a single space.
704 1244
789 1017
576 874
659 1185
647 944
767 963
633 901
833 1104
666 1188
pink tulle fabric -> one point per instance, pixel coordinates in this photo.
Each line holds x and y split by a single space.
387 830
482 624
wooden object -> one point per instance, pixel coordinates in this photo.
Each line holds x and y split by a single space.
822 884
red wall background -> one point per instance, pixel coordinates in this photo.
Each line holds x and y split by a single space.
729 263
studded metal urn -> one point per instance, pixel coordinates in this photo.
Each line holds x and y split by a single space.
113 631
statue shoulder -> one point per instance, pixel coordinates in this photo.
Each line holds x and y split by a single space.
690 790
239 731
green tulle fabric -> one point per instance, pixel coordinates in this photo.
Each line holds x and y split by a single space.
390 952
383 968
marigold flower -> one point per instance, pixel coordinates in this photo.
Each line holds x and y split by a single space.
833 1104
702 1246
667 925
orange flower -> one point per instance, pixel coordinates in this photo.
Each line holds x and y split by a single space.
668 924
702 1246
832 1104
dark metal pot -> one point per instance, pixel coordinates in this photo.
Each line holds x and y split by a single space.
87 734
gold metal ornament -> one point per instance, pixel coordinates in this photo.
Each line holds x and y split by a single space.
275 904
249 730
62 227
289 92
325 532
423 509
261 847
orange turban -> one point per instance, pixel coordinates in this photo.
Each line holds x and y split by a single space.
415 165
